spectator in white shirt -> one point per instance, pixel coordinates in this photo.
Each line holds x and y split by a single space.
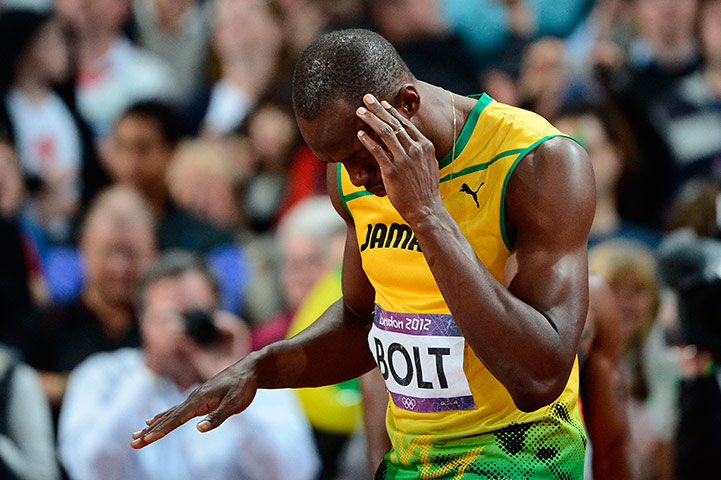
110 393
26 430
113 73
247 40
179 32
53 150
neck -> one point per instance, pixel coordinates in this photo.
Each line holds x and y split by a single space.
115 319
435 117
157 198
31 87
92 46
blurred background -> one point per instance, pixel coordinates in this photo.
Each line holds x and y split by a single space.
150 165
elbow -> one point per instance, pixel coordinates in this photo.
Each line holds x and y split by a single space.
537 395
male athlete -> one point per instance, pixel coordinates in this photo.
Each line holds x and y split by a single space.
472 311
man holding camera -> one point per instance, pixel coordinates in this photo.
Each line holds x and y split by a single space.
185 342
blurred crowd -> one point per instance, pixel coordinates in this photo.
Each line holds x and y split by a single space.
150 166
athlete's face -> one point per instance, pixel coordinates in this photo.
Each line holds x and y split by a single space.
333 137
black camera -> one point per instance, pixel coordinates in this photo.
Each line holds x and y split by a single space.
200 327
691 266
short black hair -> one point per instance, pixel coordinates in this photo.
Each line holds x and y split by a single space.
19 26
174 263
346 64
168 119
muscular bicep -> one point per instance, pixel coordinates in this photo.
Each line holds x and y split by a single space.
550 203
358 293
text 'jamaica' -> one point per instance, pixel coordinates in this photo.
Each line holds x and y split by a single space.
394 236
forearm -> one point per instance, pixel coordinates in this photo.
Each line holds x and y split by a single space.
331 350
518 344
604 406
615 462
375 404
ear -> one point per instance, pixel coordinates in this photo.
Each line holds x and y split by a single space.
407 100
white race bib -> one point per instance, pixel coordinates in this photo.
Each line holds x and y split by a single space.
421 359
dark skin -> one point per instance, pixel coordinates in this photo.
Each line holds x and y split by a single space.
547 295
603 396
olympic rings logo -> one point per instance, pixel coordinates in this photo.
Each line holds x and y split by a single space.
408 403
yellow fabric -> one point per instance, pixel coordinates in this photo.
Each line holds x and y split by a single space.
403 282
333 408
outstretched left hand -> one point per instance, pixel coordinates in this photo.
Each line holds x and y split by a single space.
410 174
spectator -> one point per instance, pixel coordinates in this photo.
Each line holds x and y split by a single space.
117 244
21 283
113 73
603 139
309 242
689 267
283 175
665 51
111 392
55 150
688 116
179 32
425 42
647 367
141 146
543 81
698 206
204 180
27 449
487 26
246 40
334 411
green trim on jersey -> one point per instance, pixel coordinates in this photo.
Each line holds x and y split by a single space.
361 193
467 130
339 179
507 242
480 166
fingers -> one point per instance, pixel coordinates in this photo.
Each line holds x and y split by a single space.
216 418
162 424
388 128
410 129
376 150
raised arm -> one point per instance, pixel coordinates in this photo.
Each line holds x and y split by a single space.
331 350
527 334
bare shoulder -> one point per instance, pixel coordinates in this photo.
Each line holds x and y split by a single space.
551 193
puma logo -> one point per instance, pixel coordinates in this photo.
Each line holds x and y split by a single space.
466 189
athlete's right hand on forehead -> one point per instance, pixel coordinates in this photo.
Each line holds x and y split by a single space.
226 394
410 175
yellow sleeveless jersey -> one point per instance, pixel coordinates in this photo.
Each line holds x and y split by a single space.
438 387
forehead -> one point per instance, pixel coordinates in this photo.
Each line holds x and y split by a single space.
188 289
332 135
103 235
138 126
